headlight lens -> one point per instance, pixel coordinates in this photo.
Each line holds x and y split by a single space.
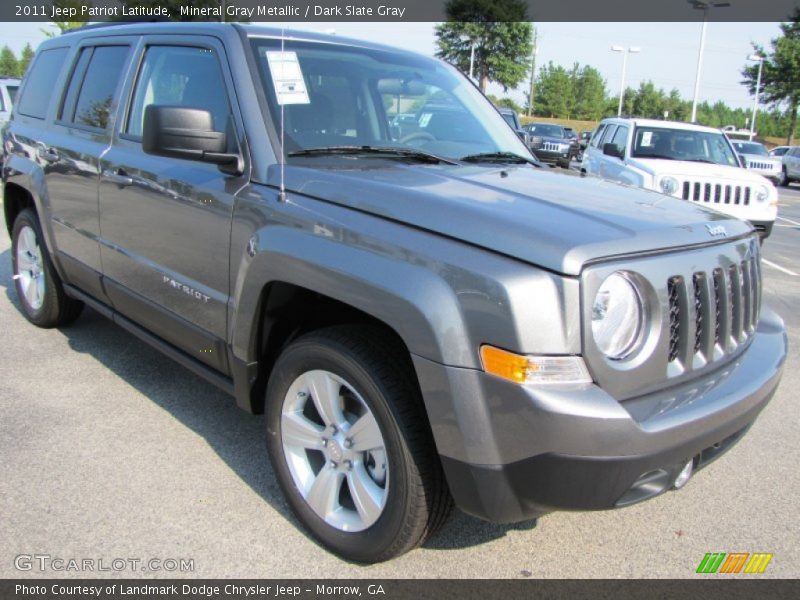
617 316
762 193
669 185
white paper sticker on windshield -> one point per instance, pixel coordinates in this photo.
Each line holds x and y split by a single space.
287 78
425 119
647 138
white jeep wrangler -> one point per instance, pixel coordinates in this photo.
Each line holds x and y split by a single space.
683 160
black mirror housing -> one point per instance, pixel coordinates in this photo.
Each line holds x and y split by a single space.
188 133
610 149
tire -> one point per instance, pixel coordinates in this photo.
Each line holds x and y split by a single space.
38 286
784 181
364 505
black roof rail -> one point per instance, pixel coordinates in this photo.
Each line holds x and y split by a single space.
116 23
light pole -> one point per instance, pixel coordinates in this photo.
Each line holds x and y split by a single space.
471 58
705 6
760 60
625 52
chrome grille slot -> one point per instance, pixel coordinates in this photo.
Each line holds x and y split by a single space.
674 317
700 310
735 301
719 285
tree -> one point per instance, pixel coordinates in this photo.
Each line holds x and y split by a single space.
501 38
590 94
780 78
648 101
25 59
9 66
555 92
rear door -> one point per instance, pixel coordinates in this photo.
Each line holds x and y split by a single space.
71 154
166 222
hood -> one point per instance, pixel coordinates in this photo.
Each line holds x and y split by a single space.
550 219
680 168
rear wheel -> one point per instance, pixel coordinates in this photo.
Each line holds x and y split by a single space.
351 447
38 286
784 180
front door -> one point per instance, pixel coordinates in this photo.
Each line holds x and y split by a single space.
166 222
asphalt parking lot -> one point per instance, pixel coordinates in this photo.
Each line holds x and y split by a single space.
109 450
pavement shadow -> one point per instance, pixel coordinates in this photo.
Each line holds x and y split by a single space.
236 437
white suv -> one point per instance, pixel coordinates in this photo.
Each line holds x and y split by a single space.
8 92
684 160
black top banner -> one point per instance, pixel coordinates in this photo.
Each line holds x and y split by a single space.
398 10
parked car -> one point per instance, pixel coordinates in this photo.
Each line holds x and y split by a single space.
8 92
683 160
423 320
510 116
583 141
550 144
791 166
779 151
756 158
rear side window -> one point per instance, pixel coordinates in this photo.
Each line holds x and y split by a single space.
179 76
96 76
39 86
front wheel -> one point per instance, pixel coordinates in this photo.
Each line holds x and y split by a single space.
39 288
351 447
784 179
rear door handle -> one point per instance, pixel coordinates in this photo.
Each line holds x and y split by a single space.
118 177
47 154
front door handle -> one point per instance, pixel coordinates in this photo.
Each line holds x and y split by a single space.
47 154
118 177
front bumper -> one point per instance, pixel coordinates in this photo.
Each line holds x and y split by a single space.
511 453
764 228
552 157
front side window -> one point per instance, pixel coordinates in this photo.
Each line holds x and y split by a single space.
355 97
179 76
620 137
12 93
598 135
683 144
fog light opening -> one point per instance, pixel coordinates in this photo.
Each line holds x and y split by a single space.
684 476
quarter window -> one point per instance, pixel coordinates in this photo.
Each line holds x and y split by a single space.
38 90
179 76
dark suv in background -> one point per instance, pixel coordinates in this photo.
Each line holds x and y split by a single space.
424 315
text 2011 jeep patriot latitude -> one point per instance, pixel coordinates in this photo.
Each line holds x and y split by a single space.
425 317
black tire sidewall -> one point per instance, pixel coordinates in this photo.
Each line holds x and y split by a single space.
312 354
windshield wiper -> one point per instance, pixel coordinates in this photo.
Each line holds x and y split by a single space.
375 150
499 157
701 160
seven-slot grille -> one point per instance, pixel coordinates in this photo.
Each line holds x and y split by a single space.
716 193
761 165
725 306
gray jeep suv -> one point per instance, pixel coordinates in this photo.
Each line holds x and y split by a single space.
424 318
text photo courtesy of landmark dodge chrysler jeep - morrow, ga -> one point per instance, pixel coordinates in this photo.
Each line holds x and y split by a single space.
427 317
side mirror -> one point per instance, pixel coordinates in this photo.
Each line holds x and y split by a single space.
187 133
610 149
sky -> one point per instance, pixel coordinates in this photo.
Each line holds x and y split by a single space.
668 54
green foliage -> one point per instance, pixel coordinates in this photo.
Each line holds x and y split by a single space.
8 63
780 78
501 38
25 59
505 102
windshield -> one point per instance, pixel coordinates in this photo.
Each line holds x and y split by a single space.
683 144
545 129
337 95
750 148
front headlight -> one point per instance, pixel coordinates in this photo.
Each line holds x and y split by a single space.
617 316
762 193
669 185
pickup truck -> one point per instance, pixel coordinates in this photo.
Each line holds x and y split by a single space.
427 318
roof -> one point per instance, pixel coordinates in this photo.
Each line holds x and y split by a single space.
222 29
664 124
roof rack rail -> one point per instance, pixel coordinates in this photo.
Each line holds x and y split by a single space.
132 21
